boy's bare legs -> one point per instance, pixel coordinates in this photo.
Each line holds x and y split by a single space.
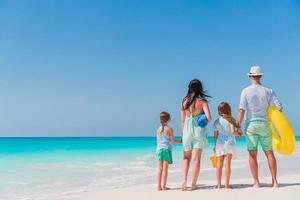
272 166
220 161
227 170
187 155
165 175
196 167
159 175
254 167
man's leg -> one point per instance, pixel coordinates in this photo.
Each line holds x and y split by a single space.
254 167
272 166
252 142
265 140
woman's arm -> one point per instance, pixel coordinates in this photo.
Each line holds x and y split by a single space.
215 138
172 138
207 111
182 113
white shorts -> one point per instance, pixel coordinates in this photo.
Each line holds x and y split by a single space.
225 149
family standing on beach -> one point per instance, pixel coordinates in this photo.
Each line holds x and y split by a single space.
195 114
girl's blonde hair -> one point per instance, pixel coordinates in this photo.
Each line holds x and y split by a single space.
224 110
164 118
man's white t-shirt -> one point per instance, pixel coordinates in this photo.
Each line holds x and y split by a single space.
255 100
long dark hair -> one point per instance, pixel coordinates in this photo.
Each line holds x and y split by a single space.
224 110
195 90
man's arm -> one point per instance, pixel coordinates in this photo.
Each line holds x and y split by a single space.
241 117
275 101
242 108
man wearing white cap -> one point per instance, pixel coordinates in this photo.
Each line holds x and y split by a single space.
255 100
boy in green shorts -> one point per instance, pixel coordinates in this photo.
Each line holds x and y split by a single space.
255 100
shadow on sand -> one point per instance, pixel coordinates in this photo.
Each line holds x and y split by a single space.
238 186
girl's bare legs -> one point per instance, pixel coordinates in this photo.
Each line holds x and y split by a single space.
187 155
220 161
196 167
159 175
165 175
227 170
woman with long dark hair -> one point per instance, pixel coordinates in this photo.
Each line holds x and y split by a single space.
194 133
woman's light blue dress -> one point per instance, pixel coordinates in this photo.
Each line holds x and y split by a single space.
194 136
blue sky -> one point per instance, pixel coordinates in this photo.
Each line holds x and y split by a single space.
103 68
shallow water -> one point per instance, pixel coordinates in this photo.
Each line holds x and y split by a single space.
45 168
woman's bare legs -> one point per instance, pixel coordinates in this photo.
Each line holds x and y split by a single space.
165 175
220 161
187 155
196 167
227 170
159 175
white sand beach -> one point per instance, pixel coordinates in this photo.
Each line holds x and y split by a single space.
241 182
241 188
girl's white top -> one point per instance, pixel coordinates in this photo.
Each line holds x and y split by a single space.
226 140
163 141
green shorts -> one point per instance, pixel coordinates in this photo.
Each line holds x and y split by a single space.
258 131
164 155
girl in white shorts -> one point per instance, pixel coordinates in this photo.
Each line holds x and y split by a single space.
225 130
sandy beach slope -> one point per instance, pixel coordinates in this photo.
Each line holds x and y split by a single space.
242 189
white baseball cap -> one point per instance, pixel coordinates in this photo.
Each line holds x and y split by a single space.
255 71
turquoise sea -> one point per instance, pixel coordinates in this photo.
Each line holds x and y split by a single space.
42 168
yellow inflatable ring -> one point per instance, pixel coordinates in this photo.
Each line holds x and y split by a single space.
286 143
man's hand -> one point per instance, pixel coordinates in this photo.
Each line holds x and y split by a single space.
240 132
